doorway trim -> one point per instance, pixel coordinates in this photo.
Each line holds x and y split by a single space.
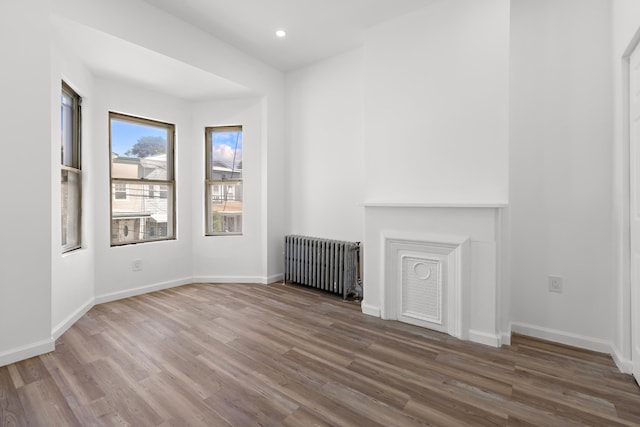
624 359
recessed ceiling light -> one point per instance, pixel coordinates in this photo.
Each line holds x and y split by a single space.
281 33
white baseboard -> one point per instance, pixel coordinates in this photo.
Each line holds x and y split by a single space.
589 343
239 279
72 318
114 296
370 310
273 278
624 364
505 338
27 351
230 279
567 338
42 347
485 338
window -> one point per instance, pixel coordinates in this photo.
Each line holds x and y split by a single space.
223 193
71 178
142 180
120 191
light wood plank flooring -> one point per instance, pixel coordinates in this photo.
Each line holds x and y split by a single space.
244 355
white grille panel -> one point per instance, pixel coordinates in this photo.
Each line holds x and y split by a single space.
422 289
425 277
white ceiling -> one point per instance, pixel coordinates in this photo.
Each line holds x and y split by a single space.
316 29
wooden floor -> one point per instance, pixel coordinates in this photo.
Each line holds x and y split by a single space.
243 355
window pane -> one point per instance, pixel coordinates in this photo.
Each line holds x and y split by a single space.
137 215
139 150
70 209
225 153
67 116
225 207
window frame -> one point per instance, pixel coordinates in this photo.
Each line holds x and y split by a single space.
169 182
209 181
76 160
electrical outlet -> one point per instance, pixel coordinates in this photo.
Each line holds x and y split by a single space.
136 265
555 284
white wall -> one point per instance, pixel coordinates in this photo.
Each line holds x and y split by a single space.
436 104
274 172
421 112
25 254
164 263
72 278
560 169
626 23
229 258
139 23
436 142
325 157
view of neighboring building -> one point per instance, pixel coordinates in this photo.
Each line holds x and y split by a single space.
226 199
224 180
139 211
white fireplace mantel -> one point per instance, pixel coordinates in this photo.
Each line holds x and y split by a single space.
467 236
489 205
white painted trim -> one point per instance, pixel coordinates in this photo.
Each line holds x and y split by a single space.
624 364
485 338
505 338
370 310
635 41
101 299
490 205
503 274
419 238
231 279
628 286
27 351
42 347
562 337
72 318
272 279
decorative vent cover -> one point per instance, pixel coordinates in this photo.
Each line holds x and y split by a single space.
422 289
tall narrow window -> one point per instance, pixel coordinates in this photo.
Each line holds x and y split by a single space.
70 182
141 167
223 194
